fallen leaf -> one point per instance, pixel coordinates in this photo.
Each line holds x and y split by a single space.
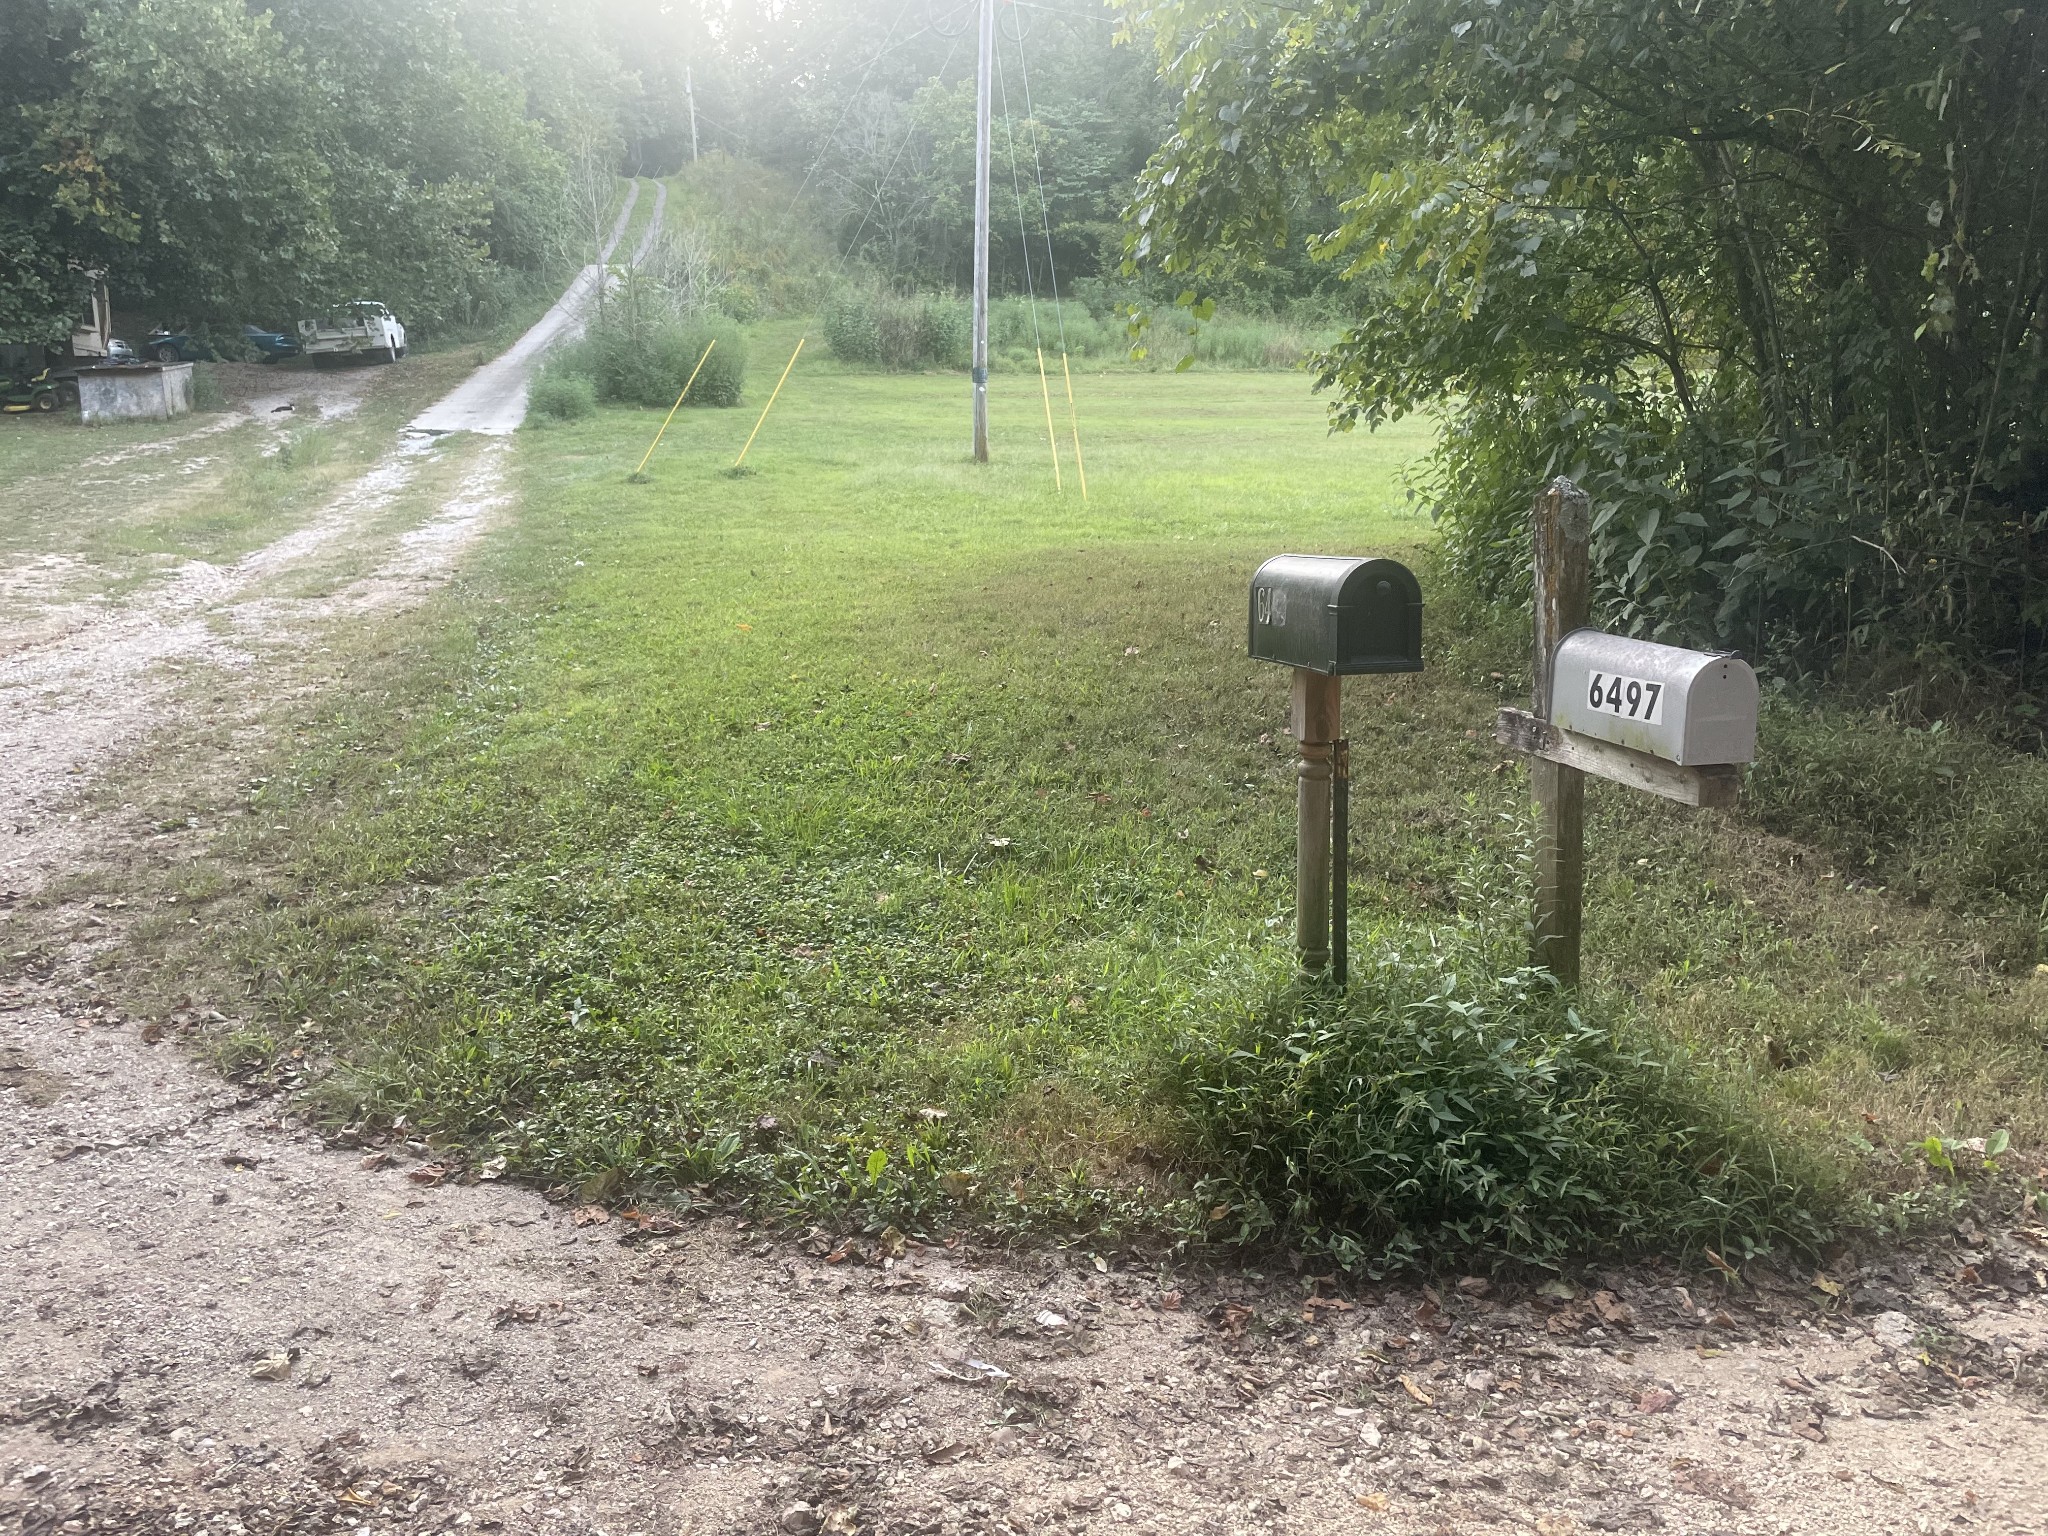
1474 1285
430 1174
966 1368
890 1243
1555 1525
1231 1317
273 1367
1721 1264
1376 1502
1823 1284
944 1453
1656 1400
591 1216
1612 1309
1422 1397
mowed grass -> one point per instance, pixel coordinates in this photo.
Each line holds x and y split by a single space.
885 836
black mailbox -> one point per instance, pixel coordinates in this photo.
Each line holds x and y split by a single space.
1337 615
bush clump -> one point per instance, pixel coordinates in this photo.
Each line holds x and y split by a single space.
884 330
561 396
1452 1109
635 361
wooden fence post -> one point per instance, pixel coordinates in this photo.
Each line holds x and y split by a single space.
1561 522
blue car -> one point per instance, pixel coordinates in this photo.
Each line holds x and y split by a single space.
183 347
271 346
175 347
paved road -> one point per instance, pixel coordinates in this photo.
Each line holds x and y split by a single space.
493 399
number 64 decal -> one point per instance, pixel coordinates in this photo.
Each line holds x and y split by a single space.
1632 698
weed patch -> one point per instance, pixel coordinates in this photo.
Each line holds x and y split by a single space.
1454 1104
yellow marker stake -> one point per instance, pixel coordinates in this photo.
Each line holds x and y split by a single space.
671 416
1075 422
1045 393
736 463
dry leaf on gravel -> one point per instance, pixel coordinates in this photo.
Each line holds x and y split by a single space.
1422 1397
1613 1310
1231 1317
591 1216
1377 1502
276 1367
969 1370
1719 1486
1656 1400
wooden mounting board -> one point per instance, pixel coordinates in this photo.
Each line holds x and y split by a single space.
1718 784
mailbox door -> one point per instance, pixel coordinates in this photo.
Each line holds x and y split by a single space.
1380 619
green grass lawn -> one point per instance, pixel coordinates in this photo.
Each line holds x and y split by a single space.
881 834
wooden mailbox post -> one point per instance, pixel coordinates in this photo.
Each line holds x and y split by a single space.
1658 718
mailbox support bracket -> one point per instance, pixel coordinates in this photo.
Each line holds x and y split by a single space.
1716 785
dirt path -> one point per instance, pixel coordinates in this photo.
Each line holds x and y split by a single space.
493 399
211 1322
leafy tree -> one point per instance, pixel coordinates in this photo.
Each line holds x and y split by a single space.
180 149
1768 277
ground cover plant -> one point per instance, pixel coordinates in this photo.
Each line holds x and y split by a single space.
895 842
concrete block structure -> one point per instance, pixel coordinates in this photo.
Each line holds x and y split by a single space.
148 392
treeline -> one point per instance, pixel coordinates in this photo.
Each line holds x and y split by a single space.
867 108
220 160
1771 280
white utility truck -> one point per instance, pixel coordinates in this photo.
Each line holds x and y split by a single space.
364 329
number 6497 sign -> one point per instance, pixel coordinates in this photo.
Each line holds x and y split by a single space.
1632 698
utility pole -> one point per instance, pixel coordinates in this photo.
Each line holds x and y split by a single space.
690 91
984 70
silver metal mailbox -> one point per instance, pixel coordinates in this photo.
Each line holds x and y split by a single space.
1688 707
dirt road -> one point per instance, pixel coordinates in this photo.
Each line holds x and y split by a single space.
493 399
212 1322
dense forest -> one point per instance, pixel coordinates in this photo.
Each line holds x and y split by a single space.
223 160
1768 279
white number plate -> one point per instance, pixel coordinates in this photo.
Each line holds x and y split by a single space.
1632 698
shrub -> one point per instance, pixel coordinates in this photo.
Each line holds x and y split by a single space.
740 302
632 360
850 329
1452 1108
883 330
562 396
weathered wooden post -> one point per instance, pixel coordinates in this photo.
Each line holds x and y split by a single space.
1658 718
1563 521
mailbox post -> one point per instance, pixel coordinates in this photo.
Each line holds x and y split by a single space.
1658 718
1329 617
